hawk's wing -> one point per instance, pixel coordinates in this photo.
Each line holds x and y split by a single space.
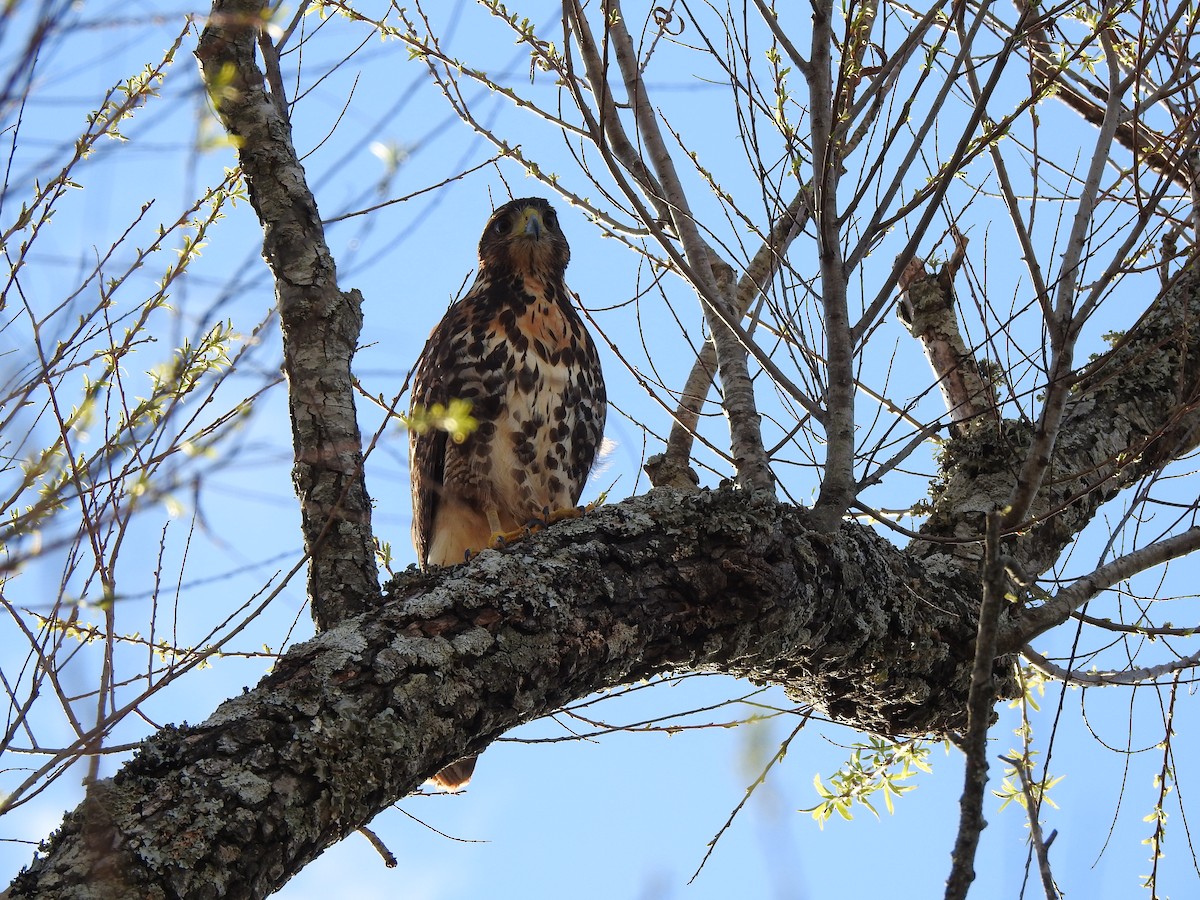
462 360
428 456
435 380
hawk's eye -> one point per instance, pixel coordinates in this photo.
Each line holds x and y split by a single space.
551 219
500 226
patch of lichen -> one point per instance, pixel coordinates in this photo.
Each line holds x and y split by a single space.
994 449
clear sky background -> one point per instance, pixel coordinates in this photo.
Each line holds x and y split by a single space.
621 816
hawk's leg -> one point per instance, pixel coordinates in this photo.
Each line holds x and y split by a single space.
497 538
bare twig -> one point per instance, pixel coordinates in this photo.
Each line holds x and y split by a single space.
762 777
1033 805
623 157
389 858
1033 622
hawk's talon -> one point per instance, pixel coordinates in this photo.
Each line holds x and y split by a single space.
501 539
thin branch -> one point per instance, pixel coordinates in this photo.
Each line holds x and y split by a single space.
753 283
714 274
1064 326
1111 678
762 777
1036 276
1147 145
702 284
837 477
389 858
771 18
1030 623
1033 807
931 196
979 715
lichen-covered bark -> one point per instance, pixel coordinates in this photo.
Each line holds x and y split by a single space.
358 717
927 309
320 322
1133 410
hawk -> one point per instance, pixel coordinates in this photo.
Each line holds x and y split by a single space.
516 349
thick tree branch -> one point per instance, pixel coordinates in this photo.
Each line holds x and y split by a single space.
356 718
1131 412
320 322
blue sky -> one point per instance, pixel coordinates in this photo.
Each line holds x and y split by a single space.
626 815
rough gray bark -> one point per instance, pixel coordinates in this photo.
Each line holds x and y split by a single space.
320 322
358 717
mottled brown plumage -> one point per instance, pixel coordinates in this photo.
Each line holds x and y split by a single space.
516 348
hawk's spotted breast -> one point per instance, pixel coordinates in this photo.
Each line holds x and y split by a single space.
517 349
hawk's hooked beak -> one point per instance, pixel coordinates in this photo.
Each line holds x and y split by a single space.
532 224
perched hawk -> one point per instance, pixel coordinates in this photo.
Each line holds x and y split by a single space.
517 350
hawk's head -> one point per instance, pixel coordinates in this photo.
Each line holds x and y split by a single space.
523 236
